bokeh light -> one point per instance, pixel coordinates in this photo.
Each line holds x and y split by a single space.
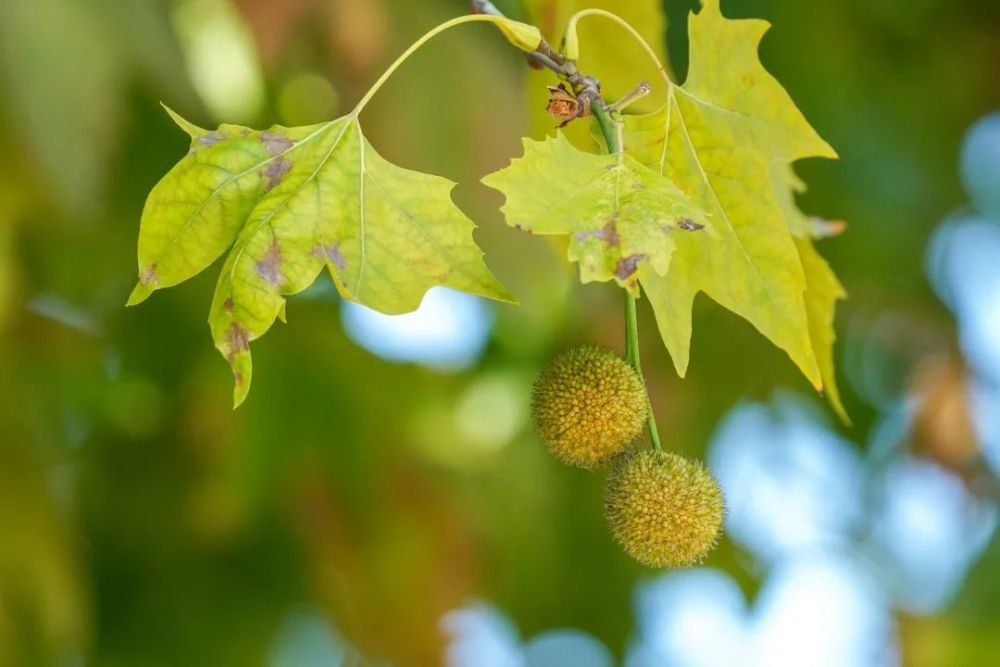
492 410
566 648
221 58
693 618
448 331
823 610
305 98
980 165
307 640
790 484
482 636
927 530
963 268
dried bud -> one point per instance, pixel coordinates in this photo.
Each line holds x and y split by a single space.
588 405
665 510
564 105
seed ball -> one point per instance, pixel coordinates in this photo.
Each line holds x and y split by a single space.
663 509
588 405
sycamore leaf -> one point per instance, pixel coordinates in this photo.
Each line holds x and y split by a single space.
720 138
823 290
619 214
285 202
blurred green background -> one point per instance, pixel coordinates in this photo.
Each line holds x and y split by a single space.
380 498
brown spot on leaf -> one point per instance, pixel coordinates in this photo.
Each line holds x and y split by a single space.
330 252
237 340
688 225
269 266
228 306
148 276
628 265
638 186
608 233
275 143
276 171
211 138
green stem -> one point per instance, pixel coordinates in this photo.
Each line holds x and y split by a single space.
505 25
607 127
631 331
631 321
583 13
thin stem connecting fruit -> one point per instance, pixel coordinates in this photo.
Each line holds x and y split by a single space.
631 323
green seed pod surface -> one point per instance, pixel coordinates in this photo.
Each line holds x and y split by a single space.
588 405
664 510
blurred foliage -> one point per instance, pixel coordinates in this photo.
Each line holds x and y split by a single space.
143 521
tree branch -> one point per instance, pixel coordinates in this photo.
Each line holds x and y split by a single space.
547 57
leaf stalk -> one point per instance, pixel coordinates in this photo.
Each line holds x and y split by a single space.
496 19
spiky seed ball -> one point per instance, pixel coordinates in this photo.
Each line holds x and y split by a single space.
588 405
665 510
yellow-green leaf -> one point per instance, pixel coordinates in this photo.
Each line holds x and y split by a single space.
619 214
823 290
720 137
285 202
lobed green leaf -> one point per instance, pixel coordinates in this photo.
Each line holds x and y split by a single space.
287 202
619 214
727 138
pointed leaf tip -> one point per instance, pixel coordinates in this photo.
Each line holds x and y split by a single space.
498 292
190 128
242 367
239 395
139 294
506 296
